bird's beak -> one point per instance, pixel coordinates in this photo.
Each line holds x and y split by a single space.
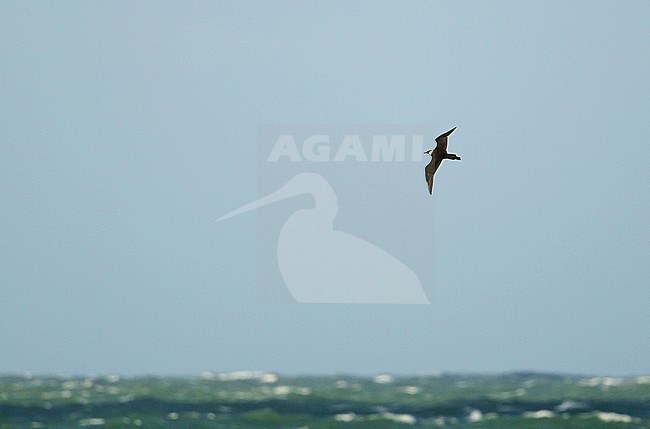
278 195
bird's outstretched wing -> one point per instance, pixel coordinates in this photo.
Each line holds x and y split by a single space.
430 170
441 140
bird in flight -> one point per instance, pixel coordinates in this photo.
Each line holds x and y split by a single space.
437 155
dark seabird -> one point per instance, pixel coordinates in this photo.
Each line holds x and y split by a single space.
437 155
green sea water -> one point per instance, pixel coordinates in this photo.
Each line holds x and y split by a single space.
266 400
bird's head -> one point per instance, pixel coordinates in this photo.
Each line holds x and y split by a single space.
429 152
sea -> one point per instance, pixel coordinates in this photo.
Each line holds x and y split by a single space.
258 399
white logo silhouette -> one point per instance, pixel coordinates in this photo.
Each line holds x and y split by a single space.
322 265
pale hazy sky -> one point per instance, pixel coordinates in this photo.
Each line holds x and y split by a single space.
127 128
